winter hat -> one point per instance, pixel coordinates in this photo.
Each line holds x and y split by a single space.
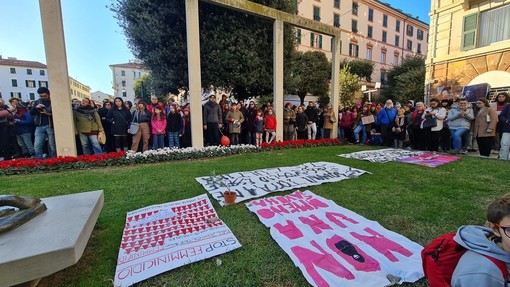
22 105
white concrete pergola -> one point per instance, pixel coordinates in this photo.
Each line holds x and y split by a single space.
51 17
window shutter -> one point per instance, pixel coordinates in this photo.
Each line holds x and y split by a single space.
312 40
320 41
469 31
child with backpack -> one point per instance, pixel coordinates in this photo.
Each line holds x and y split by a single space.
474 255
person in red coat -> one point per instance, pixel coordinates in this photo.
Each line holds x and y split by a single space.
270 126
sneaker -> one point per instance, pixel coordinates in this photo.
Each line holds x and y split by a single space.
1 158
464 152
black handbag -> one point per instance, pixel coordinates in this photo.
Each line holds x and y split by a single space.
430 123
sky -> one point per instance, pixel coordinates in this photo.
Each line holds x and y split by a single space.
93 38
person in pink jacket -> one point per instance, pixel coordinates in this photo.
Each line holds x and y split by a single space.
158 124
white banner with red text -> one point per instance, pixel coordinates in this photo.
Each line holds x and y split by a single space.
160 238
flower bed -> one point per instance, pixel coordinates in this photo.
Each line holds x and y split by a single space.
24 166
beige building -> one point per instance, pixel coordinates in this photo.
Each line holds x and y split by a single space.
78 90
371 30
124 78
469 45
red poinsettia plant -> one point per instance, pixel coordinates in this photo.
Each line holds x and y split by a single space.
24 166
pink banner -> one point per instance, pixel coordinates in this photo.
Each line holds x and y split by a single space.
430 159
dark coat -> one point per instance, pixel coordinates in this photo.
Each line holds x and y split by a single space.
119 120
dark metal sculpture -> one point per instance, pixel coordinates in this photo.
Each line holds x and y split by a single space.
28 208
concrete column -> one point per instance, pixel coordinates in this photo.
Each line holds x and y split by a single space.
335 80
194 72
58 77
278 76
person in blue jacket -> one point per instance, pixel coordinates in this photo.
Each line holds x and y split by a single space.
474 268
385 118
24 128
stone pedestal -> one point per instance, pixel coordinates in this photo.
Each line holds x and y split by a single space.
50 242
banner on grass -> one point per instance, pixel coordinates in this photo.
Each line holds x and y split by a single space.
163 237
430 159
334 246
381 155
257 183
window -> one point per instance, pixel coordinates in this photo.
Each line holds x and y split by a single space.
315 40
395 60
489 20
123 73
43 84
14 82
123 83
29 71
32 96
336 4
134 74
320 41
42 72
383 77
409 45
336 20
397 26
370 14
353 50
13 70
298 36
410 30
383 57
15 95
316 13
370 31
30 83
385 20
124 94
384 35
355 8
397 41
419 34
354 25
369 54
419 48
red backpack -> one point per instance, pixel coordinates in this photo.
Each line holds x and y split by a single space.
441 256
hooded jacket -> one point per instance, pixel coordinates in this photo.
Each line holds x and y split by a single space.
473 268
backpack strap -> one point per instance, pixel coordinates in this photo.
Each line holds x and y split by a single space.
501 265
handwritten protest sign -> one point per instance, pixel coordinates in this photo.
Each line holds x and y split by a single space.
382 155
253 184
163 237
334 246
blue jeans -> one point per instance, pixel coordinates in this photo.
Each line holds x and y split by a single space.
360 128
173 139
158 141
96 146
26 144
457 137
341 133
41 134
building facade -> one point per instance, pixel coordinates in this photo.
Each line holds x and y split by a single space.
78 90
21 79
469 45
124 78
371 30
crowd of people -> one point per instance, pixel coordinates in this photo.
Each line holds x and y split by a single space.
450 125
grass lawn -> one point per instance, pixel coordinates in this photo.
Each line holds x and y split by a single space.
417 202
